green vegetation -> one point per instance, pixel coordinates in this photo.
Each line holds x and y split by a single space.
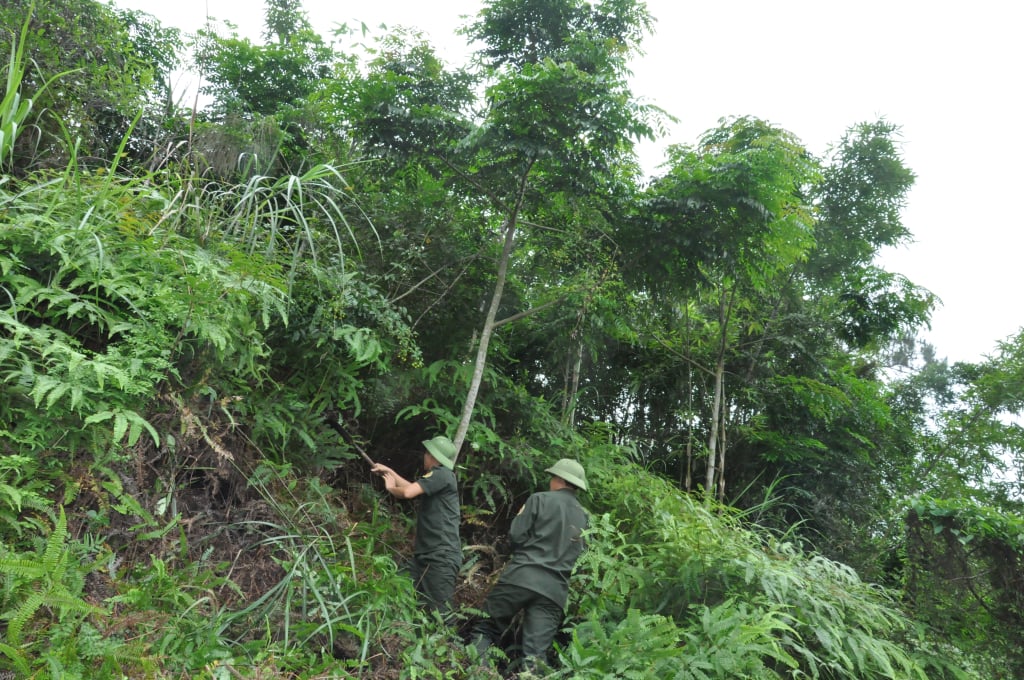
785 483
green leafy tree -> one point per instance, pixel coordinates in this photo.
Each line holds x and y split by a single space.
285 21
829 422
982 430
793 387
261 94
732 225
559 117
112 73
249 80
860 198
529 178
409 110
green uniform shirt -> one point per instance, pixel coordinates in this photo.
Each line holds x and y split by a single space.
546 541
437 518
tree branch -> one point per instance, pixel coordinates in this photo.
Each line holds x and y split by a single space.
527 312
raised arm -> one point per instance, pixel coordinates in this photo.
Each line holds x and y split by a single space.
397 485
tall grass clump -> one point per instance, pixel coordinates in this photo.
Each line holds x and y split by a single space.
16 107
339 599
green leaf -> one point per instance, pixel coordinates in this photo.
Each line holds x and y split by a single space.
120 425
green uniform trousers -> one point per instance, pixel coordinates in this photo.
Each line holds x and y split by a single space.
541 619
435 582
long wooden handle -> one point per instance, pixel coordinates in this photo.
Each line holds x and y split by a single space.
363 453
336 426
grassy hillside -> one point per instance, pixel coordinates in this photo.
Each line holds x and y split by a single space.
174 506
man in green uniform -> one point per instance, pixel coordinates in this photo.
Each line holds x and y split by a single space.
546 540
437 551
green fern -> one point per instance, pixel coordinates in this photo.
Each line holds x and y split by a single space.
640 646
17 657
40 582
21 488
22 567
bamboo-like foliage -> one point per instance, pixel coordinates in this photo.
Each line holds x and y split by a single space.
15 107
296 214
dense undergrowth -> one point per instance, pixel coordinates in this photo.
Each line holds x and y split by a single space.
155 523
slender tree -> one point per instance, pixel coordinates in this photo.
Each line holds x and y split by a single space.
558 106
732 222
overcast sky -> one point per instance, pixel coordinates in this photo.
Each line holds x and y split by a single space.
948 73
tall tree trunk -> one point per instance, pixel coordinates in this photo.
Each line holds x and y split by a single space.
716 406
723 427
690 425
574 363
688 484
717 409
573 367
492 312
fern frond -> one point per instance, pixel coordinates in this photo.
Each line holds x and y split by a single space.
17 657
55 554
20 617
68 603
16 566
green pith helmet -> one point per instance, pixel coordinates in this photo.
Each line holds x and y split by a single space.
442 449
570 471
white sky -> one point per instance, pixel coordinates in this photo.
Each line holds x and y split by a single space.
949 73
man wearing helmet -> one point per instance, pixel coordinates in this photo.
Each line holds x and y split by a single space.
437 550
546 539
